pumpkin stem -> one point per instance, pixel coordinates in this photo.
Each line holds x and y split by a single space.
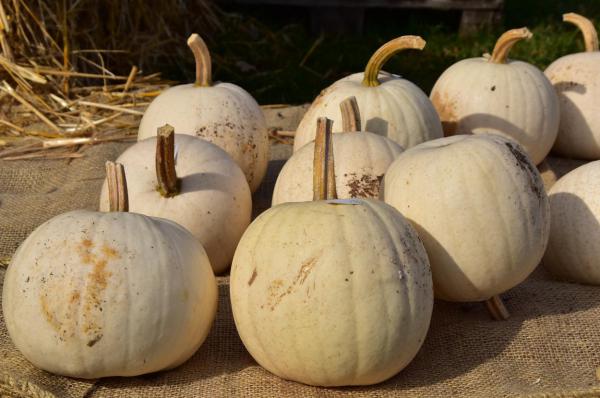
385 52
506 42
590 36
497 309
117 187
168 183
323 166
203 62
350 115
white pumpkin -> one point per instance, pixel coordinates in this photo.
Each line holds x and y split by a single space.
362 158
500 96
331 292
390 106
221 113
576 80
213 200
92 294
573 253
479 205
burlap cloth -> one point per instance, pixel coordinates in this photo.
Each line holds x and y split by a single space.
550 346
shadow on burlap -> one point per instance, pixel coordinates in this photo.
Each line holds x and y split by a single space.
549 347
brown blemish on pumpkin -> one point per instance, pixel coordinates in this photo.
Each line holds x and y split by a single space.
61 314
364 186
275 293
446 109
252 278
48 313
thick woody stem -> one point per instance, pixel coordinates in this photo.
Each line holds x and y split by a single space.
350 115
506 42
168 183
323 166
590 36
203 62
385 52
117 187
497 309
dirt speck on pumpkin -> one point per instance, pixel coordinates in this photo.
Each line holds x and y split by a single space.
252 278
535 183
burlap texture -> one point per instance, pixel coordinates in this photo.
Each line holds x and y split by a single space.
549 347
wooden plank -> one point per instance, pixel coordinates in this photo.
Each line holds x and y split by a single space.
431 4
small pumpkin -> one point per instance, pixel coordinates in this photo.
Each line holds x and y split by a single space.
200 188
573 251
493 94
82 298
576 80
222 113
390 106
479 205
361 160
331 292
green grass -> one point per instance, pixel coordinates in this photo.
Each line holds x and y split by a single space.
277 60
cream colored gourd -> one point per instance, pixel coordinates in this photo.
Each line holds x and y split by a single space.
200 187
577 81
92 294
222 113
361 160
390 106
331 292
479 205
573 252
497 95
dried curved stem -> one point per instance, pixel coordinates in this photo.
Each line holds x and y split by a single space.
497 309
350 115
385 52
590 36
117 187
168 183
506 42
323 166
203 62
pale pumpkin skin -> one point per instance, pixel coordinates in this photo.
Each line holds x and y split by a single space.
514 100
576 80
361 160
92 294
332 293
573 253
214 202
396 109
479 205
223 114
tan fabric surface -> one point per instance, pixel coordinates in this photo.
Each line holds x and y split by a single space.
549 347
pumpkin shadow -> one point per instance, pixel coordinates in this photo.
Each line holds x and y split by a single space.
585 135
377 124
261 199
221 353
468 124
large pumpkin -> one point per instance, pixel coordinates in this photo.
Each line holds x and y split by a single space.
221 113
479 205
362 158
331 292
573 253
200 188
496 95
389 105
577 81
92 294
